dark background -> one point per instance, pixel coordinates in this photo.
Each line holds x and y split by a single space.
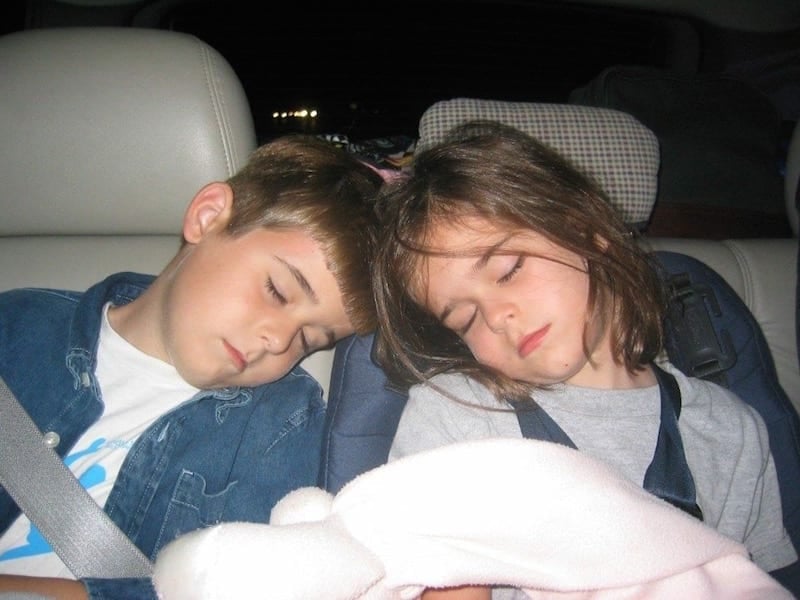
371 67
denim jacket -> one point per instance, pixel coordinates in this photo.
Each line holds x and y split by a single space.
223 455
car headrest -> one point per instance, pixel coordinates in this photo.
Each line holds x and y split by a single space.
620 153
112 130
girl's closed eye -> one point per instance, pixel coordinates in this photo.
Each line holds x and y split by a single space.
513 271
461 325
465 329
274 291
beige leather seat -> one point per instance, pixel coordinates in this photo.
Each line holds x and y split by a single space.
106 135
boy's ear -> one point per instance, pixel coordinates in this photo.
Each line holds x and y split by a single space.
209 211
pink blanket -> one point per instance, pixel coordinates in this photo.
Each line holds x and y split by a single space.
524 513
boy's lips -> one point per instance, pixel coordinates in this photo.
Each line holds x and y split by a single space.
237 357
530 342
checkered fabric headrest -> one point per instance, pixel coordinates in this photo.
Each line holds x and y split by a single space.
620 153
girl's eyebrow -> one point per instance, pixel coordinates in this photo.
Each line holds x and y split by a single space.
300 279
486 256
479 264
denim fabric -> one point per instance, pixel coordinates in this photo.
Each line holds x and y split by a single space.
224 455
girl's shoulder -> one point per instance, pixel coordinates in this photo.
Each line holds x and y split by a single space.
714 405
694 389
454 387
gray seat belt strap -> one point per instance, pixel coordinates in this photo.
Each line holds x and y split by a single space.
79 531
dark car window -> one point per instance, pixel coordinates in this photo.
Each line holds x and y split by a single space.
362 73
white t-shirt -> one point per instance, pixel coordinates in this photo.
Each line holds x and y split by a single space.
98 455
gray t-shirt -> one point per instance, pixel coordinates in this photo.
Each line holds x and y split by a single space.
726 444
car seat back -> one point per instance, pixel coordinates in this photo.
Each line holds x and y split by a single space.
107 135
362 416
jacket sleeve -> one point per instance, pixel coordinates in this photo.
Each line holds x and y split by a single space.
120 589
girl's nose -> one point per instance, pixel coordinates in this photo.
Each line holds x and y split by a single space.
498 315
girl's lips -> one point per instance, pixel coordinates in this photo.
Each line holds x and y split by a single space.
530 342
238 359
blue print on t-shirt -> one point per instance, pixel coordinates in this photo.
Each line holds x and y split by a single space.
93 476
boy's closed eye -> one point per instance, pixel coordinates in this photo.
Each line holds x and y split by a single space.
310 341
274 292
314 341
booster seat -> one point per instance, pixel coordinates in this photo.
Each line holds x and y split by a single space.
364 409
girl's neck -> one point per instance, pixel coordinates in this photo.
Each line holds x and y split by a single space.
603 372
615 378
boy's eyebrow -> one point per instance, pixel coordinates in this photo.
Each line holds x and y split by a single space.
483 259
301 280
309 291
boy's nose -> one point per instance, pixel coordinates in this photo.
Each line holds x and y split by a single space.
278 337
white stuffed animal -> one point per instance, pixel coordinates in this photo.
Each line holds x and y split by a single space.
528 514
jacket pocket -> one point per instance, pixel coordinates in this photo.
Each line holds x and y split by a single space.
192 507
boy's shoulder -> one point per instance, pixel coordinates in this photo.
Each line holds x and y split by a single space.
23 309
123 282
31 301
38 293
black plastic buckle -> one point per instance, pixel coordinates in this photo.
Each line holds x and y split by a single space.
704 353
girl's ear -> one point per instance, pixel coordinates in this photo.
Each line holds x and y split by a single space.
209 211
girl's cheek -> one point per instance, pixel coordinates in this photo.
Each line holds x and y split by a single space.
480 347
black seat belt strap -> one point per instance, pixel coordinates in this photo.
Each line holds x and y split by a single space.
536 424
79 531
668 475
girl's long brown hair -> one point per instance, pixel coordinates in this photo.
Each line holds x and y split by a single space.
498 173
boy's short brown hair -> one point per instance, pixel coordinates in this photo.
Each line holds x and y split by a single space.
303 182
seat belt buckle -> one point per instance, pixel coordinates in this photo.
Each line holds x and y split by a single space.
703 352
